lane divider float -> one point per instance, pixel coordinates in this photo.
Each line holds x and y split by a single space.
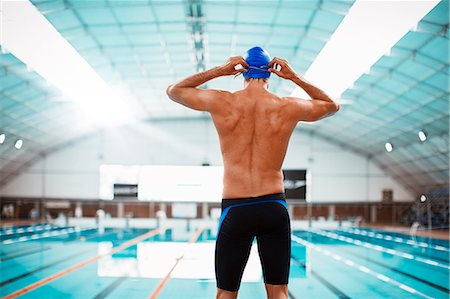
381 249
21 230
394 239
360 268
66 271
47 234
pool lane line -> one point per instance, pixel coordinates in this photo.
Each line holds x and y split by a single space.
405 235
84 263
18 227
325 282
45 235
26 233
30 229
95 235
48 265
420 255
395 239
28 252
105 292
360 268
23 275
88 237
67 243
381 249
24 253
429 283
49 234
164 281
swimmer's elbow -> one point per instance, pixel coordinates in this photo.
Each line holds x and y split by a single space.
173 93
335 107
324 110
169 91
331 108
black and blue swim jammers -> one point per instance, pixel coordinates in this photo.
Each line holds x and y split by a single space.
264 217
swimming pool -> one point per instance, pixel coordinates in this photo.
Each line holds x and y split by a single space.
46 261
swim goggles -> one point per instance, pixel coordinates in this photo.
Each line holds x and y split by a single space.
259 68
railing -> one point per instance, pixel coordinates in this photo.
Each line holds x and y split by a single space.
432 213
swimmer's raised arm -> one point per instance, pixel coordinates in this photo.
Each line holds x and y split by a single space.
187 93
320 105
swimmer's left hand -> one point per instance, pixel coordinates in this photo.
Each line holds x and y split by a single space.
282 68
234 65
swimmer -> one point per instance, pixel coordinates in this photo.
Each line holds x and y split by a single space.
254 128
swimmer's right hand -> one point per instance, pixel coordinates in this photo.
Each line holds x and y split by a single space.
234 65
282 68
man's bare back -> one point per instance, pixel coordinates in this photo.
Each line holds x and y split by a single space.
254 125
254 130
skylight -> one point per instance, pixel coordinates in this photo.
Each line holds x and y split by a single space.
368 31
29 36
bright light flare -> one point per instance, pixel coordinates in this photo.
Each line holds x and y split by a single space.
422 136
388 147
29 36
368 31
18 144
2 138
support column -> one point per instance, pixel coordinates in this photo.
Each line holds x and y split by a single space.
120 210
37 208
204 211
331 212
151 209
373 214
430 224
393 213
78 210
366 206
309 214
41 210
163 207
291 211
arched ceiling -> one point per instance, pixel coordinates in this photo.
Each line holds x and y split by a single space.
140 47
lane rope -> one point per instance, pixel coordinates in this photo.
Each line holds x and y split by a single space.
47 234
394 239
360 268
21 230
381 249
66 271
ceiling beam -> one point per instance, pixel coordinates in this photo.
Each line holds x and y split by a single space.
196 26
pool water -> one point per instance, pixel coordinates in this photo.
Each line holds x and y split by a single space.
344 263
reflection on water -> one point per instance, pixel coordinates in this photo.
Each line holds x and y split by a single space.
155 258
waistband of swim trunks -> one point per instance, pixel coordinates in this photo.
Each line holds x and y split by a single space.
226 202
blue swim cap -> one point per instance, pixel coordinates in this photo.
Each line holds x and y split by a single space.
258 60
